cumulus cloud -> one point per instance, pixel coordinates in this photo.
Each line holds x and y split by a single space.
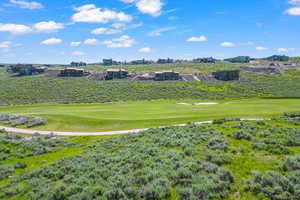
92 41
75 44
91 14
51 41
48 27
41 27
260 48
227 44
16 29
26 4
145 50
124 41
201 38
78 53
293 11
151 7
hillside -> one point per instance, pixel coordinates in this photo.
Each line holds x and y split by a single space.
41 89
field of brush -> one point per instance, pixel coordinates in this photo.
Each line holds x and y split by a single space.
254 160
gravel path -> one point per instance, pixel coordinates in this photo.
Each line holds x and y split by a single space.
60 133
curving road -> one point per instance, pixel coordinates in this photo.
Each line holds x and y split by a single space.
60 133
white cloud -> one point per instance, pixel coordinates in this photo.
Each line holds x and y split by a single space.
260 48
105 31
91 14
227 44
123 42
51 41
285 50
78 53
118 25
145 50
294 2
115 29
41 27
293 11
151 7
92 41
201 38
159 32
48 27
26 4
75 44
16 29
5 45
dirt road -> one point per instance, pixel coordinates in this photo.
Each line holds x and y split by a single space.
60 133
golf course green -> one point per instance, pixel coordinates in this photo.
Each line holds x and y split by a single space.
146 114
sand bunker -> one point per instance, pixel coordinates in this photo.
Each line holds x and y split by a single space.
209 103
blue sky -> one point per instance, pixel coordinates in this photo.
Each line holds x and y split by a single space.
44 31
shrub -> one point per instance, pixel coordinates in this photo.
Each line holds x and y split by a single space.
242 134
293 163
273 185
217 143
218 158
158 189
20 165
6 171
18 120
36 121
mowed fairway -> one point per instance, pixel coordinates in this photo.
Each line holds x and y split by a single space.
146 114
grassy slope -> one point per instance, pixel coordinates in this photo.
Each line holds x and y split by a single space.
40 89
144 114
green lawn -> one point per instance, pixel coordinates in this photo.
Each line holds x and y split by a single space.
144 114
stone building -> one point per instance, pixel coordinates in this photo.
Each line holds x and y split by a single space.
204 60
112 74
227 75
140 62
239 59
26 69
280 58
168 75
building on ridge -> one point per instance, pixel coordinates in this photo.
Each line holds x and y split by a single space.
112 74
167 75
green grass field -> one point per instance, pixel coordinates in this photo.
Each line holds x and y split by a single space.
146 114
